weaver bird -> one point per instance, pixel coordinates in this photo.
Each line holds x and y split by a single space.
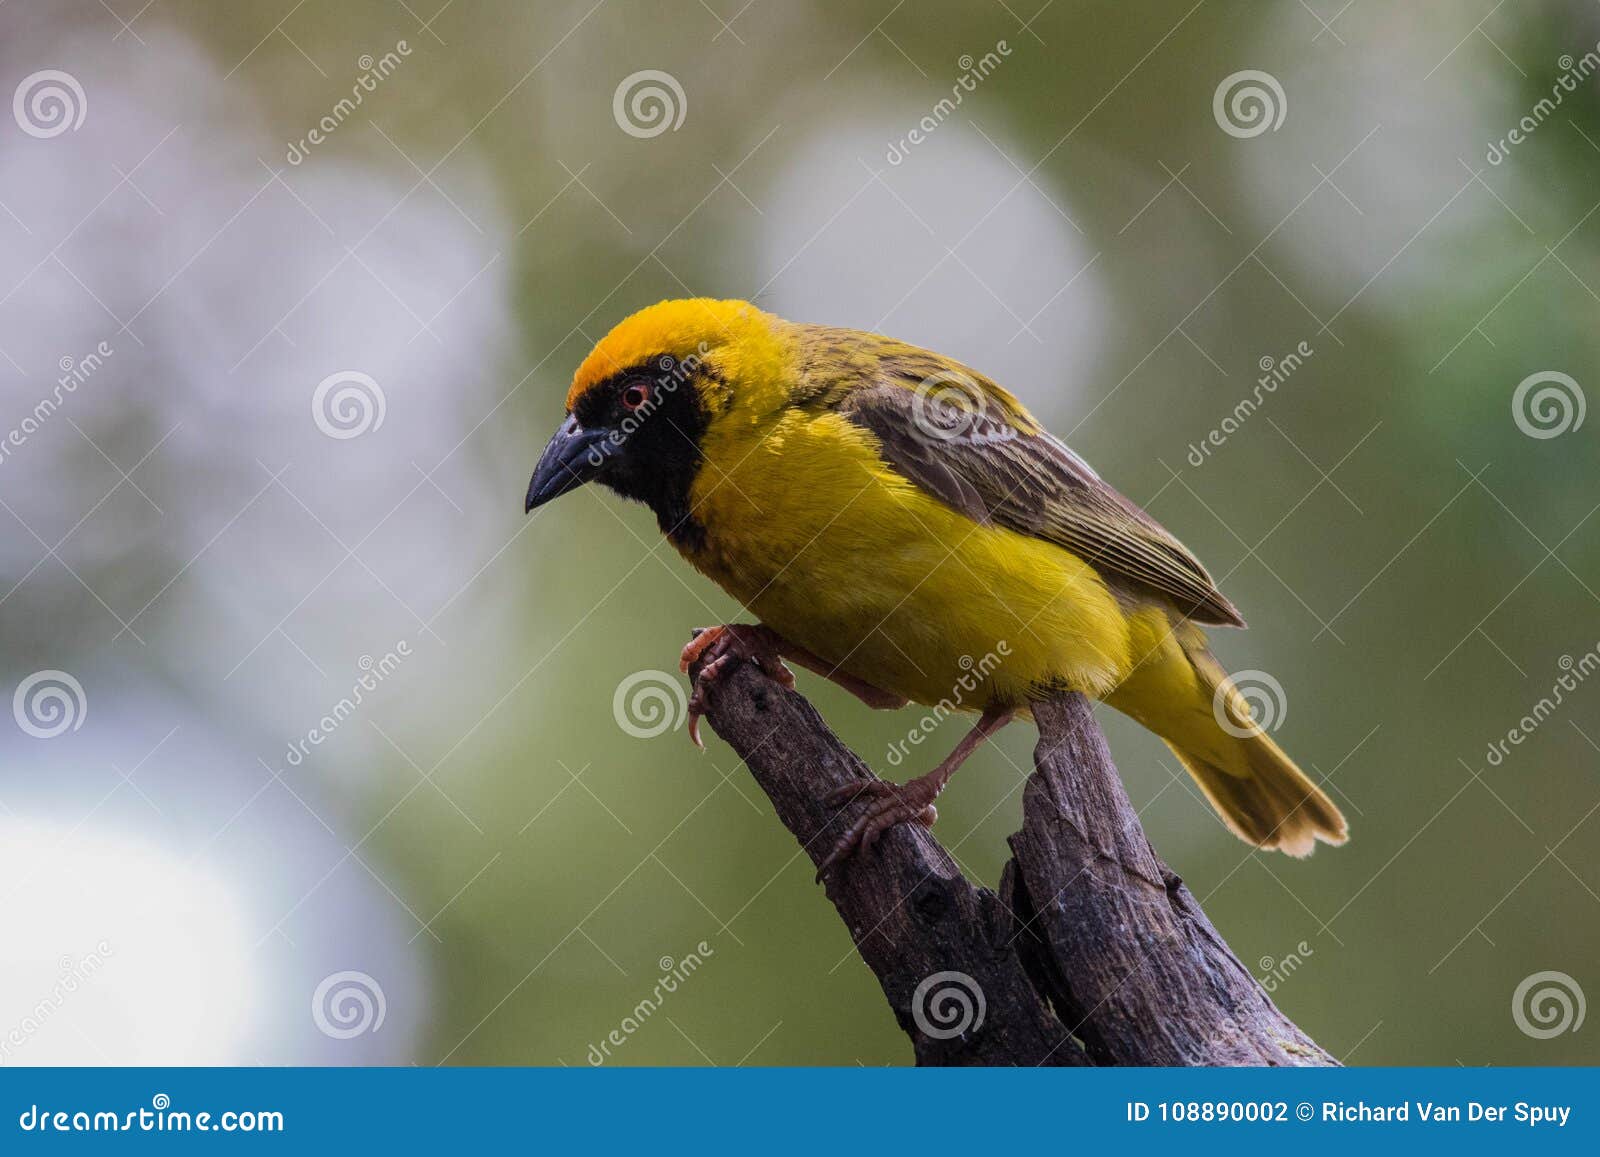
888 515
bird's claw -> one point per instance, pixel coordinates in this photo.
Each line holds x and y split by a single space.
888 804
719 650
696 708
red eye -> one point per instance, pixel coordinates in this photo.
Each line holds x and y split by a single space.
635 395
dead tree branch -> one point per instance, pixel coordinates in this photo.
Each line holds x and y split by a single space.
1093 952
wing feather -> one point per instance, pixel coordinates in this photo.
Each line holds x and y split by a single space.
970 444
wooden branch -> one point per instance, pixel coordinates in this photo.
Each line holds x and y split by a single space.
1093 952
910 911
1120 945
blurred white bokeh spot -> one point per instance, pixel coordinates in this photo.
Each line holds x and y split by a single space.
133 956
987 269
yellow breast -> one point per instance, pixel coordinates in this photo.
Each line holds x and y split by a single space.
809 529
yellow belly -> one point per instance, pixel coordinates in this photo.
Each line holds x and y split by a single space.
807 528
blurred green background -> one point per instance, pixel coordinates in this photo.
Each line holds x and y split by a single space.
507 868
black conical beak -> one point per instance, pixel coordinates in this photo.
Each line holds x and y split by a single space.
573 457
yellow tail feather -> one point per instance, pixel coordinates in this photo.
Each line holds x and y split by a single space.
1257 790
1275 806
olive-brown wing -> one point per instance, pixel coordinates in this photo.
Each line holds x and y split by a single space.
973 447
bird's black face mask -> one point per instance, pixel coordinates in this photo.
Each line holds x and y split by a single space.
638 433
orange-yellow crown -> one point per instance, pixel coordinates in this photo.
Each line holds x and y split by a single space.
731 333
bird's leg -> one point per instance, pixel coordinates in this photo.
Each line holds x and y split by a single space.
872 696
892 804
723 647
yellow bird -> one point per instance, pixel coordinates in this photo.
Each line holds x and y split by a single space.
890 516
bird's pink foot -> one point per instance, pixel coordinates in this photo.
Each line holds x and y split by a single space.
891 804
887 804
719 650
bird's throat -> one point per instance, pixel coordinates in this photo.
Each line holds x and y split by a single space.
666 493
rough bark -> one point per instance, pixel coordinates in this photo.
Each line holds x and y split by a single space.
1119 943
1093 952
